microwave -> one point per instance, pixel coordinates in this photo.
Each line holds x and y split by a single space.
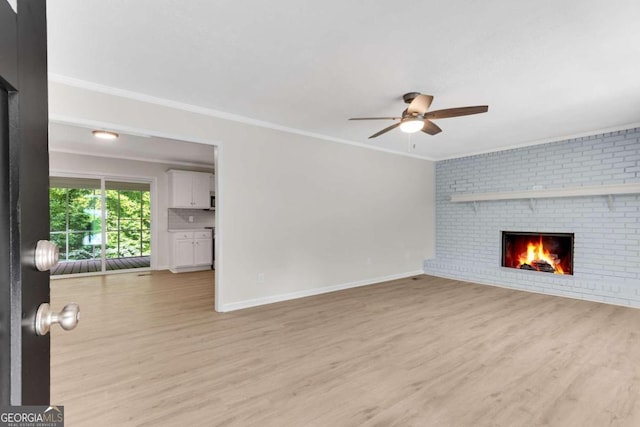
212 204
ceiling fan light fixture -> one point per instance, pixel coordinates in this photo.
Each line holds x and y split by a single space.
411 125
105 134
417 117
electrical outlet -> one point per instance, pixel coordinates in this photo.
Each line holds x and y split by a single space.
260 278
369 261
190 218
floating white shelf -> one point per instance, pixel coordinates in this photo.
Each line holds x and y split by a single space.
602 190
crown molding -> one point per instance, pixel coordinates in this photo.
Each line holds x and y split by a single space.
134 158
136 96
594 132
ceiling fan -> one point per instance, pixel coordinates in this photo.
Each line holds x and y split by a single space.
416 117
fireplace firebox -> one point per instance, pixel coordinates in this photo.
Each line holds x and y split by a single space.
545 252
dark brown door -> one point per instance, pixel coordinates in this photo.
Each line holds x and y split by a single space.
24 204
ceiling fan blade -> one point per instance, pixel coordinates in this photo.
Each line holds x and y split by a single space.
385 130
456 112
420 104
375 118
430 127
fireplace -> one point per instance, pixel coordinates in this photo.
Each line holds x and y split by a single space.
544 252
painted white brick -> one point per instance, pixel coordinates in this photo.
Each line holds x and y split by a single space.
607 242
613 149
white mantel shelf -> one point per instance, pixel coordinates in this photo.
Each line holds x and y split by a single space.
601 190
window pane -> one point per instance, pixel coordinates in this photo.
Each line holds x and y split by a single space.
111 250
60 239
112 209
58 209
123 243
130 246
146 243
130 204
75 217
84 212
130 242
78 250
130 225
128 219
146 205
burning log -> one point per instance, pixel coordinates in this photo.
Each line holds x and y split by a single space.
539 259
543 266
538 265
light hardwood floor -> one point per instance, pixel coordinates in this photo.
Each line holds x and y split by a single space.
150 351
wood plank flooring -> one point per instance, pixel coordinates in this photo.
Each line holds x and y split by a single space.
93 265
150 351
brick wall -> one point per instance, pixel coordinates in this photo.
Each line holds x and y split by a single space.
607 241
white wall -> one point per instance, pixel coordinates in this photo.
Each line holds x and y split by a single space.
91 165
307 215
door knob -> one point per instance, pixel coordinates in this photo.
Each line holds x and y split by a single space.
68 318
46 255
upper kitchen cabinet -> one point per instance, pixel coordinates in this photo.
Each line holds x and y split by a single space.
189 190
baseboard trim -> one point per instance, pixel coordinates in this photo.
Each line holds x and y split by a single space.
315 291
626 300
178 270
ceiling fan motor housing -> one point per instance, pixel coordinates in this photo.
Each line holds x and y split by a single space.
410 96
407 115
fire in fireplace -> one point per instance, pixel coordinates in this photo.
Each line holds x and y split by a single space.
546 252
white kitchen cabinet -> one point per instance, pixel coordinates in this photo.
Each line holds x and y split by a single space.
202 253
189 190
183 252
191 251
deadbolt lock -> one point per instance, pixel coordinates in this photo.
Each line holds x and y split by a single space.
46 255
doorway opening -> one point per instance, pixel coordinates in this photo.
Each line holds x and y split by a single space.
146 156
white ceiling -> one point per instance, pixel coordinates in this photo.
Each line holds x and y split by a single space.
547 69
66 138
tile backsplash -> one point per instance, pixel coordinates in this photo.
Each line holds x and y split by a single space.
179 218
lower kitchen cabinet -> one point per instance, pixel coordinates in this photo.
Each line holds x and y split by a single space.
191 251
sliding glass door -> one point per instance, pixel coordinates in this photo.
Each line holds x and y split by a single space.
128 225
100 225
75 207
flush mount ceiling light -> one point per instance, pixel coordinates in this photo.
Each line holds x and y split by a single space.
412 125
104 134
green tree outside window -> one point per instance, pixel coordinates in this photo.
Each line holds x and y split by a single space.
76 222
